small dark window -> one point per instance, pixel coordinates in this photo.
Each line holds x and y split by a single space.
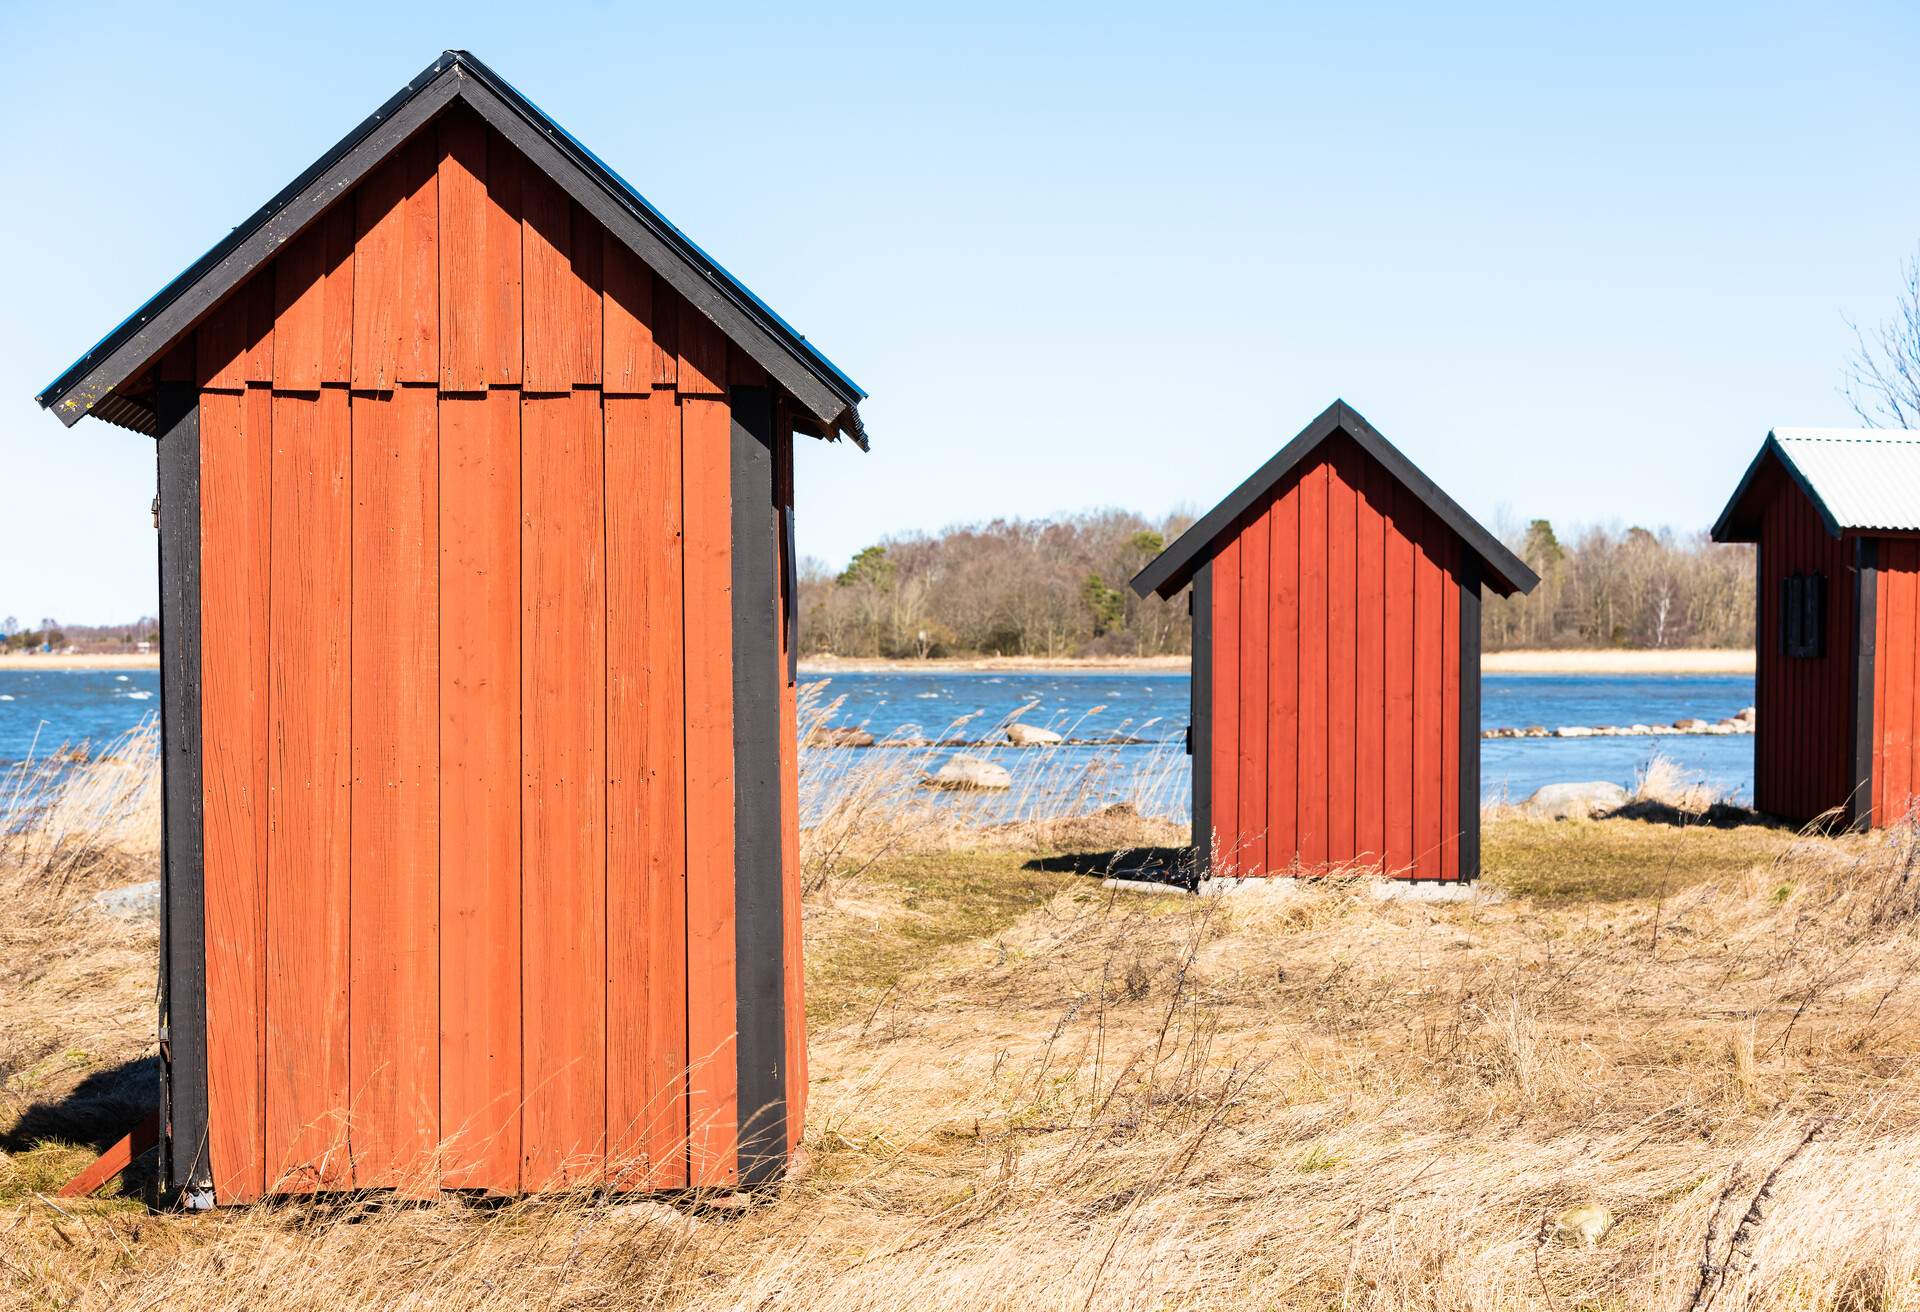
1803 615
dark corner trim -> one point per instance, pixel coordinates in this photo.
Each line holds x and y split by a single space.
759 960
789 557
1470 721
1201 692
183 984
1866 606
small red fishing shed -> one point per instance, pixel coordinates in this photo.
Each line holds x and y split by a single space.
1834 514
477 577
1336 662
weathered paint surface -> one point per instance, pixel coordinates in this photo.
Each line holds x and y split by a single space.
1335 734
469 771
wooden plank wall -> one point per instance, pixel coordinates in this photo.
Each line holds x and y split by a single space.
469 777
1336 724
1800 750
1896 734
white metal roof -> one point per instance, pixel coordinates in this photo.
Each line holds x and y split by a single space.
1864 478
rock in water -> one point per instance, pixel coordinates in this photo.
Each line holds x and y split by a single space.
848 736
130 902
1587 1224
1027 735
970 772
1575 801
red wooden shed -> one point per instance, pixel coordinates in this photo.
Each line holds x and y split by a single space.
1336 662
477 574
1835 515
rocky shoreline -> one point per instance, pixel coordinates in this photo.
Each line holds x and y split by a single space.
1741 722
1022 735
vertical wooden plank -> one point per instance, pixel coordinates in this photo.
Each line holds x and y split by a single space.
1468 607
1885 655
309 691
395 825
1314 785
1429 707
418 356
1397 792
503 282
646 805
258 296
480 1004
561 250
1900 603
1370 679
703 354
1342 662
1450 737
1201 716
564 798
1767 661
235 468
1283 683
466 291
758 932
666 336
713 1092
378 272
336 312
300 301
550 335
396 273
1226 709
790 877
221 346
1255 680
628 327
183 979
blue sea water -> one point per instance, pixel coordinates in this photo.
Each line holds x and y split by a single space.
42 709
1155 706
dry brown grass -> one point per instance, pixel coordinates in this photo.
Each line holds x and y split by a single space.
1033 1093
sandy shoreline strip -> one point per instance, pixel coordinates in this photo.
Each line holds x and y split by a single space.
14 660
1737 661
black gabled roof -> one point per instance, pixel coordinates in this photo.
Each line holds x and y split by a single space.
828 398
1174 568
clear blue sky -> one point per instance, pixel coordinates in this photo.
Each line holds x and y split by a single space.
1574 264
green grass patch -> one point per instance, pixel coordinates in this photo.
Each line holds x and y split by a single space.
908 908
1615 860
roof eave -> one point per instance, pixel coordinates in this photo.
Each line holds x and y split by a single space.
1733 526
820 387
1175 567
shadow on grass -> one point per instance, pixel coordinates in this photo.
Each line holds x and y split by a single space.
1718 816
1156 865
95 1113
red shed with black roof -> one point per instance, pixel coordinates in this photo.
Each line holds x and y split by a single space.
1336 662
477 579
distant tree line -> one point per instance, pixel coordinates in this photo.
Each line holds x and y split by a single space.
1059 588
1009 587
1636 588
16 635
